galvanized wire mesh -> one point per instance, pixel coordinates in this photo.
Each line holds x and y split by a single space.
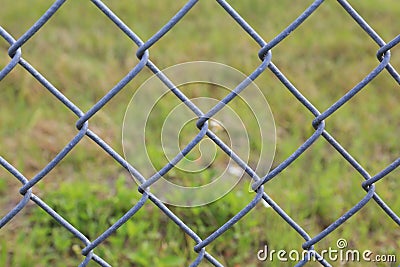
383 55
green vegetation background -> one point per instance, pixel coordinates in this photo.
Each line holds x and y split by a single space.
83 54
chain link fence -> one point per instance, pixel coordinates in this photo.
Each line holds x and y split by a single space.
265 54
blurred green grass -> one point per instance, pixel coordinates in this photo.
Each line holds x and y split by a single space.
83 54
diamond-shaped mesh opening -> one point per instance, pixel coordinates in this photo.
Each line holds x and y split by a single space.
361 125
36 128
343 55
94 52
